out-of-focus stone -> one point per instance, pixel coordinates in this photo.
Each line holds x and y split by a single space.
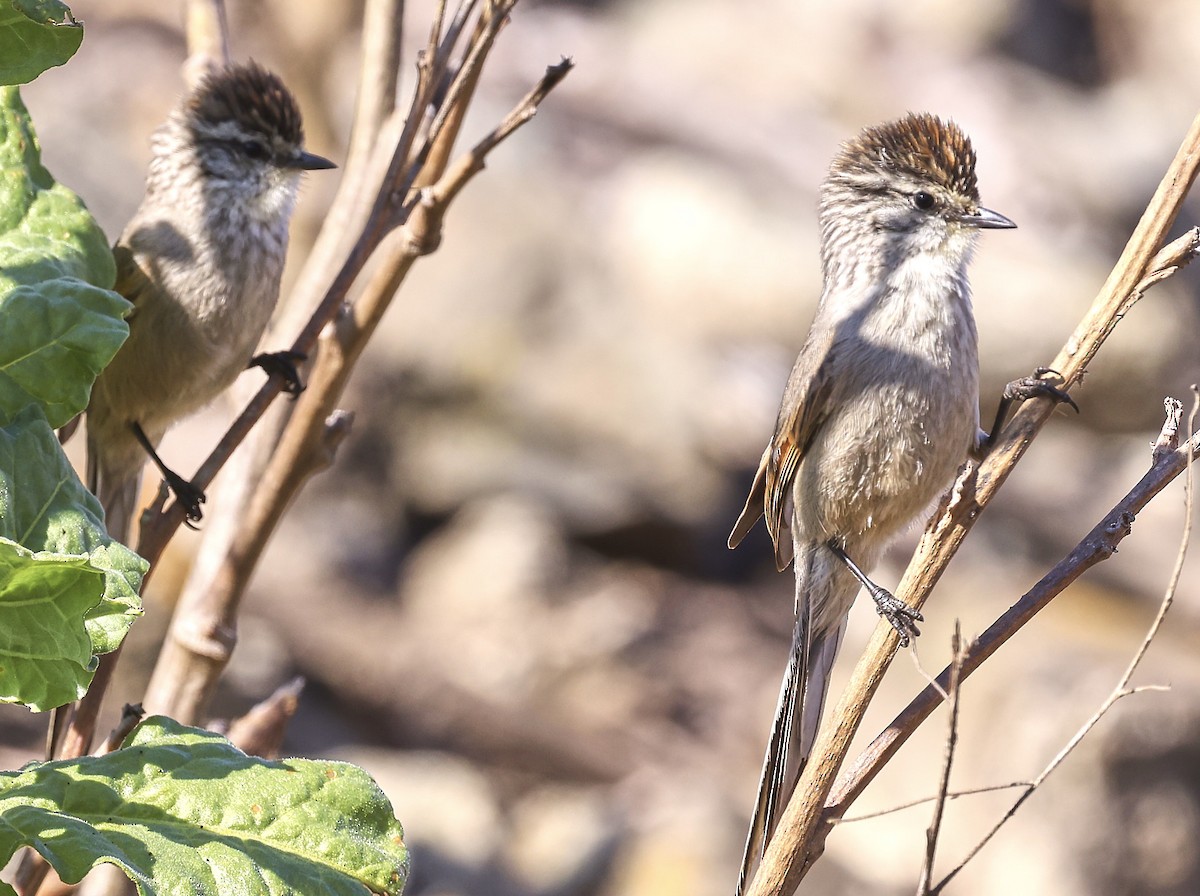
478 587
561 840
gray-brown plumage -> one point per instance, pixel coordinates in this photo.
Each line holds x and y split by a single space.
201 262
880 409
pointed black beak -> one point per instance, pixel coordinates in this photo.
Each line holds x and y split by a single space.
308 161
986 219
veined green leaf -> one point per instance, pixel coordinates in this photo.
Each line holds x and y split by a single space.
182 811
35 35
67 591
61 322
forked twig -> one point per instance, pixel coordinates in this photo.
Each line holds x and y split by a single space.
203 632
1122 688
950 795
939 805
199 645
1097 546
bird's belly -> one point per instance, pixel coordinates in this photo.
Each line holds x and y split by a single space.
174 363
869 474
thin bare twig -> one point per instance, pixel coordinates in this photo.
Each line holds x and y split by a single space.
950 795
342 345
388 187
472 162
1097 546
796 842
201 643
444 128
1122 688
939 805
203 630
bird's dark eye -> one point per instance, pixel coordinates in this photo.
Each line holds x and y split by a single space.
924 201
254 150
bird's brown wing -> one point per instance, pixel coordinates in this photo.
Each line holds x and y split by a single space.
132 281
805 401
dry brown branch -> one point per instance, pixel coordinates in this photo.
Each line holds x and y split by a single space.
397 227
345 219
346 242
1097 546
796 842
261 730
203 632
939 804
1122 688
131 714
207 39
445 127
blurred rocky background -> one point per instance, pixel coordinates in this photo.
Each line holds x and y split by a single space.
511 596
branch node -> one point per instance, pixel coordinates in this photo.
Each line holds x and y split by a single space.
423 230
212 641
1168 437
337 426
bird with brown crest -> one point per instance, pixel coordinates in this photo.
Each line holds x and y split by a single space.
881 408
201 261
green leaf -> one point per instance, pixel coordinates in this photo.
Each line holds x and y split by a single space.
67 591
45 655
181 810
35 35
62 322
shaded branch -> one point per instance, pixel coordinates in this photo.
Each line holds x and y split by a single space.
261 730
1097 546
1122 688
378 77
939 804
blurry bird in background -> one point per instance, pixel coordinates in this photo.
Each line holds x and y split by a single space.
201 260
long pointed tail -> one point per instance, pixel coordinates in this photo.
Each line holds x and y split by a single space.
774 769
794 730
114 474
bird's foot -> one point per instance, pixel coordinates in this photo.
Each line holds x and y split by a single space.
902 617
189 497
283 365
1040 385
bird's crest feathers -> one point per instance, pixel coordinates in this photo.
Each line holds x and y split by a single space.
251 96
920 145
